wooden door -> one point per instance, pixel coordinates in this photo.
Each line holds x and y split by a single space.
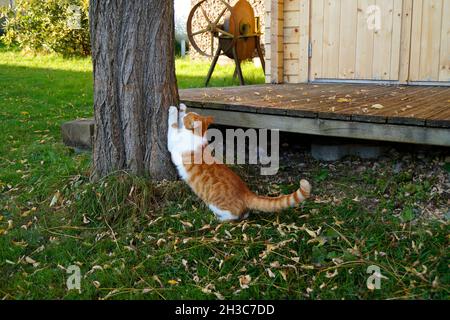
430 45
355 39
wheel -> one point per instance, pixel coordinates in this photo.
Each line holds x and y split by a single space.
211 27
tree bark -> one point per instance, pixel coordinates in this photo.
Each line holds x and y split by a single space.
134 85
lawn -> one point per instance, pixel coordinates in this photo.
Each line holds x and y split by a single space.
133 238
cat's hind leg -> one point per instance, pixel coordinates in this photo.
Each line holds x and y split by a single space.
223 215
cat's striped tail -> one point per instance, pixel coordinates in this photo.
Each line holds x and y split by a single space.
275 204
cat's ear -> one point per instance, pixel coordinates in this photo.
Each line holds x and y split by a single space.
191 122
188 122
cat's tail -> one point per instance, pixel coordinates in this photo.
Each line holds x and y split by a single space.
275 204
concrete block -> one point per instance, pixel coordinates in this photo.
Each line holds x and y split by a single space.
78 133
334 152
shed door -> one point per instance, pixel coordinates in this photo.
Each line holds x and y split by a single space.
430 48
355 39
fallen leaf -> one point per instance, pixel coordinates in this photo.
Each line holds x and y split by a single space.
311 233
172 282
377 106
186 224
54 199
160 242
270 273
244 281
22 243
207 288
155 277
30 260
342 100
275 264
219 296
330 275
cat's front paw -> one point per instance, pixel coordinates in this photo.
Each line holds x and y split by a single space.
183 108
173 110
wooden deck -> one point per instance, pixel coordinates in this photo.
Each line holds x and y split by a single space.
411 114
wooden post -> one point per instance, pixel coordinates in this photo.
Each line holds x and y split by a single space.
276 41
304 40
405 41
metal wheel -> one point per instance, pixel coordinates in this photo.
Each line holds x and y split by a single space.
211 28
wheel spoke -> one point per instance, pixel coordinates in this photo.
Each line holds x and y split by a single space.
212 44
199 32
220 16
205 15
225 33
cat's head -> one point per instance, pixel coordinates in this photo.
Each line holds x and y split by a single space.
197 123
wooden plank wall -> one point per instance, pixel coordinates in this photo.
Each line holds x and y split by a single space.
274 41
430 48
413 44
344 47
290 42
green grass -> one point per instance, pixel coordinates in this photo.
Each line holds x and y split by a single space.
136 239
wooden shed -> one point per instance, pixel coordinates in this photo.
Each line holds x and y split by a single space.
389 41
368 69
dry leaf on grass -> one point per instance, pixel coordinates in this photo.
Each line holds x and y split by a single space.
270 273
311 233
186 224
275 264
244 281
54 199
160 242
330 275
377 106
31 261
219 296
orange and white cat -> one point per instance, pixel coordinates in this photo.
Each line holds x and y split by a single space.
216 184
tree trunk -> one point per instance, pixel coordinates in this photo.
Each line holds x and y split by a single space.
134 85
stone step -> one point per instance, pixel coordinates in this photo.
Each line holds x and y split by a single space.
78 133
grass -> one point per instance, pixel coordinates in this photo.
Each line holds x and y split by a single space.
133 238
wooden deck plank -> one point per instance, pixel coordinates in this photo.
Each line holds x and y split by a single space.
337 101
335 128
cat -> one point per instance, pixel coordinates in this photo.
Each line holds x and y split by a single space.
216 184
